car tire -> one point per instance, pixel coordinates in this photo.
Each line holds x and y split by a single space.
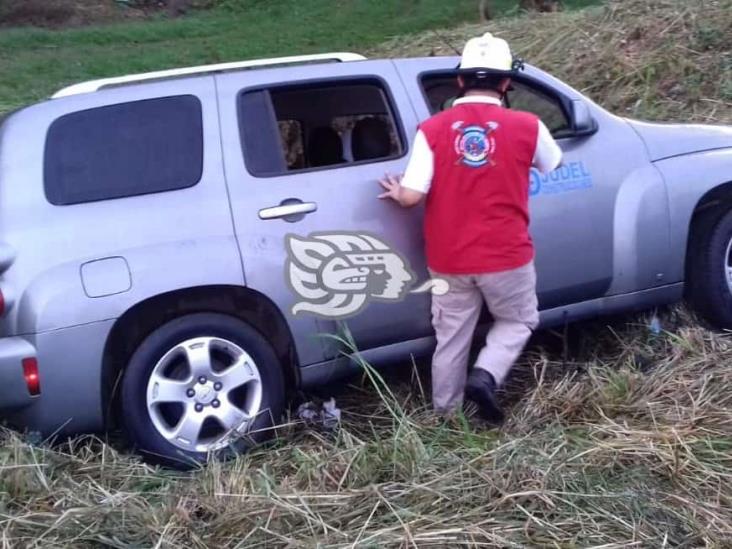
709 284
201 385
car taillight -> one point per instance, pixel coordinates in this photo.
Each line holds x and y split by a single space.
32 379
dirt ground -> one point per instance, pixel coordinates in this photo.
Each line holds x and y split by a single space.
73 13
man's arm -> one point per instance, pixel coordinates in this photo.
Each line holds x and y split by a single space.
548 155
409 190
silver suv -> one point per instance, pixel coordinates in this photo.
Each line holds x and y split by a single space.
144 223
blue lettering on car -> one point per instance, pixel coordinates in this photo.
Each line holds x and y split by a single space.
567 178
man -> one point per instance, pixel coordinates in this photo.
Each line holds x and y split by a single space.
472 163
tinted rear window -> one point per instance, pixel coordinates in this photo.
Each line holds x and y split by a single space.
124 150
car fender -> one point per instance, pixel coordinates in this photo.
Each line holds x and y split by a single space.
59 296
640 232
689 178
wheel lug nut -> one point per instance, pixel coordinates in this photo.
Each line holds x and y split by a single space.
202 380
191 393
215 404
218 386
199 407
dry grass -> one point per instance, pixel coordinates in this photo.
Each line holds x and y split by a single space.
629 444
656 59
625 443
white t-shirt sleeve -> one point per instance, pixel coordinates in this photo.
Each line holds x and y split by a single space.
421 167
548 155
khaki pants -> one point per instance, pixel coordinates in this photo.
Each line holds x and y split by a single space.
511 300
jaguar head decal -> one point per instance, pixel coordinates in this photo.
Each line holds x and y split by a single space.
337 274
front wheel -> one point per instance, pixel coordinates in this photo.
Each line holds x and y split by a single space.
199 385
710 268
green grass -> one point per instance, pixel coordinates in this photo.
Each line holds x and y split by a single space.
36 62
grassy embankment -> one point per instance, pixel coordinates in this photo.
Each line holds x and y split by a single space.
36 62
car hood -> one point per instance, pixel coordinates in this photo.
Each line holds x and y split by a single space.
667 140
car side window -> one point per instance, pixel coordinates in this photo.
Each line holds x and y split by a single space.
441 90
524 97
123 150
288 129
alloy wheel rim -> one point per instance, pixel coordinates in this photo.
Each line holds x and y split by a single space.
203 393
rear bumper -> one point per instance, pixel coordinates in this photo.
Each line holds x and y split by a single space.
14 392
70 372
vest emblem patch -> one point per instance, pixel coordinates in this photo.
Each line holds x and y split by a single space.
474 143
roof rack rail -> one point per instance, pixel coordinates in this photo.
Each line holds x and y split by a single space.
96 85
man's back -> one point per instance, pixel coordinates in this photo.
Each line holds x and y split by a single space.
477 208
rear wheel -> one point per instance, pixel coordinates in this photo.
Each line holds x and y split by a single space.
710 268
199 385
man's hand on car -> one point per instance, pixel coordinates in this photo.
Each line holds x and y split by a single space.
392 185
403 196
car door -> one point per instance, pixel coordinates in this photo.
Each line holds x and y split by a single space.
279 126
575 223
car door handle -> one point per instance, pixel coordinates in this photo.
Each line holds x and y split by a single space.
294 210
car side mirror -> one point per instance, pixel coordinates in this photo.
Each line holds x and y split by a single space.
583 123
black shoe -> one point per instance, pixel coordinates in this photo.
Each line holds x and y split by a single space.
481 389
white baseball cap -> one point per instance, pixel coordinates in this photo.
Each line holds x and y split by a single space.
488 53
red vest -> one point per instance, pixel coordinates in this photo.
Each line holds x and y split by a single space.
477 213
